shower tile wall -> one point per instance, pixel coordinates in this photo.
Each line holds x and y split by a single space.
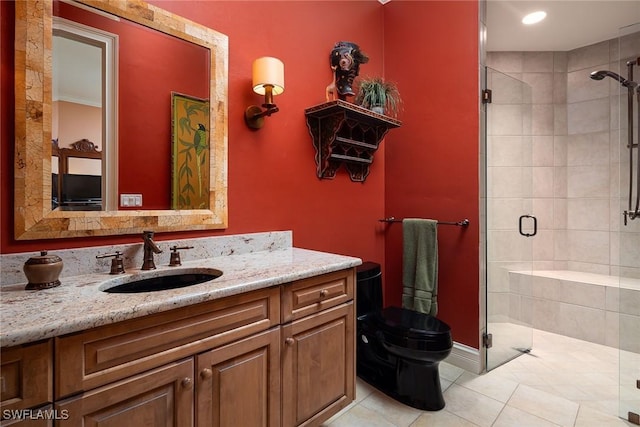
575 159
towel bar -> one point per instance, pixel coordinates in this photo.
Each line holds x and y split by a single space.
463 223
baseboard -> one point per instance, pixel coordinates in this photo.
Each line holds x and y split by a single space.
465 357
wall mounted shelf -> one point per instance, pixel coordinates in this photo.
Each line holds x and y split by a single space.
348 134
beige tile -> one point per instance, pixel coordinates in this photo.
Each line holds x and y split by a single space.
449 371
542 119
471 405
582 294
538 61
494 386
511 417
588 56
605 407
391 410
507 62
589 417
588 116
363 390
441 419
360 416
541 86
545 405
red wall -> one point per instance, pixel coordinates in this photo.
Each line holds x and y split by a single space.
427 168
432 160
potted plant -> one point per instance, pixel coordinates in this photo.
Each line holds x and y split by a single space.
378 95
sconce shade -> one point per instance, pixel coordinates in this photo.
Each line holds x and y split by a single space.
268 71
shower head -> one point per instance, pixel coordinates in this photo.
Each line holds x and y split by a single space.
599 75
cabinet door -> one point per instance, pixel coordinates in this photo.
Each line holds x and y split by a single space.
26 376
318 366
162 397
239 384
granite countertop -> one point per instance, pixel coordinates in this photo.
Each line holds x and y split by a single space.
78 303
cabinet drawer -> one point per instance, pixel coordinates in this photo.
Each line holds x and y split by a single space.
101 355
26 376
308 296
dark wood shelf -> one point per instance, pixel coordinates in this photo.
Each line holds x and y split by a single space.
348 134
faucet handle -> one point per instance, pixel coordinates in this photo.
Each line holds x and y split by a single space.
174 260
117 264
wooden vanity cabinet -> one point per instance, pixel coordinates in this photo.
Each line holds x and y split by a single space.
318 355
26 382
280 356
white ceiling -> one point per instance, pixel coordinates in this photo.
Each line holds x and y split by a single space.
569 23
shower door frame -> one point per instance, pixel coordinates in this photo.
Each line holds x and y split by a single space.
508 223
628 347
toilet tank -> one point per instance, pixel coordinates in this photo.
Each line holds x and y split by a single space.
368 288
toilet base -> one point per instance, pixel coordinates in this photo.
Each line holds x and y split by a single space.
419 385
414 383
425 394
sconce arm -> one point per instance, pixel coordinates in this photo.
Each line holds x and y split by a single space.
254 115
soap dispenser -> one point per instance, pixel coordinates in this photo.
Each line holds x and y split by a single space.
43 271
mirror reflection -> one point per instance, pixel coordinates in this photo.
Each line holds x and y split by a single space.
159 55
148 66
78 83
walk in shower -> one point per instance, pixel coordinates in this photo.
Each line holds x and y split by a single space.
562 228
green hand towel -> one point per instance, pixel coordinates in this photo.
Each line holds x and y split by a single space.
420 265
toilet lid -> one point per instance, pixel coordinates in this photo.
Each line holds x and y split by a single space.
407 323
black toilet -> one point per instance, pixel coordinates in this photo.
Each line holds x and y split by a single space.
398 350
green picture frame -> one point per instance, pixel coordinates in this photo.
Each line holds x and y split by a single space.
190 162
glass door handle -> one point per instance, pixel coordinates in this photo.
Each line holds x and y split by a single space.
535 225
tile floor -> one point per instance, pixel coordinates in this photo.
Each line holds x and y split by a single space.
562 382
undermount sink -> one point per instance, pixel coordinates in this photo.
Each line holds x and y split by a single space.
160 281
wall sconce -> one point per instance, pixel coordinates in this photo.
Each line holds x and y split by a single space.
268 80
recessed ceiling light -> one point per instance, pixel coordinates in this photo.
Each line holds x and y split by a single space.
534 18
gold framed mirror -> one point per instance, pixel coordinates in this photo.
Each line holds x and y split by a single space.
34 218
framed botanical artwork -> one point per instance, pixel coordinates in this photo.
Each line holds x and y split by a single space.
189 152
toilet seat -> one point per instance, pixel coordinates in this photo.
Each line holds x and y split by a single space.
412 330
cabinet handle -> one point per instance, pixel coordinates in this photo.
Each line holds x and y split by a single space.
187 382
289 341
324 293
206 373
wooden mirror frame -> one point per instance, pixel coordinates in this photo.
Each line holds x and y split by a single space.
34 218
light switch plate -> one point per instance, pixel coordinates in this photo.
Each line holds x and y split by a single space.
130 200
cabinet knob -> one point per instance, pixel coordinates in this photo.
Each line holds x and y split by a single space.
206 373
323 293
187 383
289 341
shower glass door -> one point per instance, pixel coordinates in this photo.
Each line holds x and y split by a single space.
509 224
629 233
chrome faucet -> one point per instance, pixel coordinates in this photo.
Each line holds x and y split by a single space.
150 248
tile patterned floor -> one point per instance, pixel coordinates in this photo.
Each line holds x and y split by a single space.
562 382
